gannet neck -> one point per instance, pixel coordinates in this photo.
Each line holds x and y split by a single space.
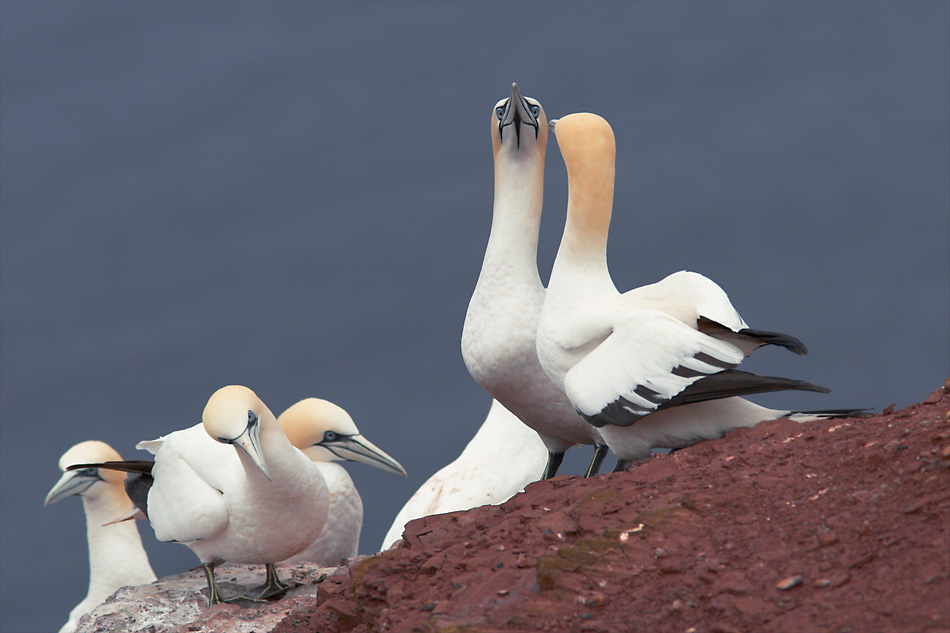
519 142
587 145
116 556
516 213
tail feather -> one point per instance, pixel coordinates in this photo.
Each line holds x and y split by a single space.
733 382
830 414
749 339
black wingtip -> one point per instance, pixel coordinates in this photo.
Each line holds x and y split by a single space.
839 413
141 467
787 341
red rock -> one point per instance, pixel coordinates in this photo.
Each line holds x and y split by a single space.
819 501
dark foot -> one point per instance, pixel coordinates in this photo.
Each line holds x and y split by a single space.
213 596
600 451
622 465
554 462
272 587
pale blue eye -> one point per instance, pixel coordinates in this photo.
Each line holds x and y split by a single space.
500 112
535 111
329 436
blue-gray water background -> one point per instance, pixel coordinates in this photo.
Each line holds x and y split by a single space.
296 197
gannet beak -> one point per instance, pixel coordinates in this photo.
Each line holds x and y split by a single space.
74 482
357 448
250 442
552 123
517 112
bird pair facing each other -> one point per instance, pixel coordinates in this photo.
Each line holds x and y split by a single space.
262 501
579 362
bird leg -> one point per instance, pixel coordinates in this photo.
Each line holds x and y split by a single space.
554 462
214 597
622 465
273 587
600 451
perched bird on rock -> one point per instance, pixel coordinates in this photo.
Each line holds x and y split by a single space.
498 338
653 367
116 556
233 489
327 434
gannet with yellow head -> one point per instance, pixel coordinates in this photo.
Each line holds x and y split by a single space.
498 337
232 489
116 556
654 367
327 434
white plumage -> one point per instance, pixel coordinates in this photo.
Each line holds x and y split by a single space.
498 338
232 488
326 433
663 351
116 556
501 459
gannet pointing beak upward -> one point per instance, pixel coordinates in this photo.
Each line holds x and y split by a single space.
516 111
498 338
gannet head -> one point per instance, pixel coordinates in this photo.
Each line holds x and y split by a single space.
83 482
518 125
587 144
325 432
233 415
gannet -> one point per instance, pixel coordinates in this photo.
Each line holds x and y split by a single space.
326 433
621 357
498 338
116 556
501 459
257 501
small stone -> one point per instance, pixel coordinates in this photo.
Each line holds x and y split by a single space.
946 451
428 607
595 599
787 583
827 538
522 561
821 583
660 553
889 409
502 592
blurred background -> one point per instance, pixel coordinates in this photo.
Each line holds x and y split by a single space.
297 197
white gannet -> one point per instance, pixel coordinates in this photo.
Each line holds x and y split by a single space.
116 556
498 338
666 351
257 501
502 458
326 433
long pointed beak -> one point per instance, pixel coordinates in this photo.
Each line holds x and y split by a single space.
250 442
517 111
71 483
357 448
